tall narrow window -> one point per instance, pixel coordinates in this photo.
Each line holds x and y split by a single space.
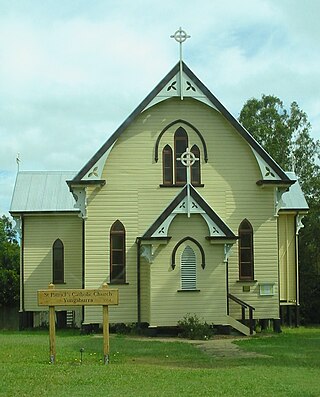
167 163
246 269
195 168
58 262
180 146
117 253
188 269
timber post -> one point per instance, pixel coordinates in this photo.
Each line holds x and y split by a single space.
105 322
78 297
52 330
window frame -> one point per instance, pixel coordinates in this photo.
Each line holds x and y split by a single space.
58 265
167 151
180 136
245 230
196 151
116 233
176 165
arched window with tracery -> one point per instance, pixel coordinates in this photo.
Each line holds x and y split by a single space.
58 262
195 168
117 253
180 146
246 259
167 164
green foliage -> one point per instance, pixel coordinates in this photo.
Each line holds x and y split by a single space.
286 137
127 328
9 263
192 327
285 134
309 266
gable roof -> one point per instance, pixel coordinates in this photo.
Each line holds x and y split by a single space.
205 96
217 227
294 199
42 191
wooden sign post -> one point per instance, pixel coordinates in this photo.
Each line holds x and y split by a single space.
78 297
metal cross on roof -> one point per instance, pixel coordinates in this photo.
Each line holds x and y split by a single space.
188 159
180 36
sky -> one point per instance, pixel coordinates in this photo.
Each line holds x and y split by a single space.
71 71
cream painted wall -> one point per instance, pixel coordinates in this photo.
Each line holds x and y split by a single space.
133 195
287 258
40 232
168 302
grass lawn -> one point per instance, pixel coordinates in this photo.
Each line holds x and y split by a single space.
143 368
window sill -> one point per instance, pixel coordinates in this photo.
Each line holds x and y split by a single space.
182 185
247 281
188 290
117 283
59 283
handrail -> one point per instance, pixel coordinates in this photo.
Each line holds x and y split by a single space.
240 302
244 306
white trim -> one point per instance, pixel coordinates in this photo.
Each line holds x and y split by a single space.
18 226
173 89
299 224
267 173
182 208
80 195
96 170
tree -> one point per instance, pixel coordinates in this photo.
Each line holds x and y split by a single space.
9 263
285 135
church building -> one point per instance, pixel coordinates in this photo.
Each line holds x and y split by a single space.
181 210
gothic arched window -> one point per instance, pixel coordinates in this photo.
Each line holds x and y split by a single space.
58 262
117 253
167 164
180 146
195 168
246 263
188 269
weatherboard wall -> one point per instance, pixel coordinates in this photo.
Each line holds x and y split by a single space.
133 195
40 232
169 303
259 211
287 258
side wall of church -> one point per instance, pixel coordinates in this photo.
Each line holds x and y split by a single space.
287 258
40 232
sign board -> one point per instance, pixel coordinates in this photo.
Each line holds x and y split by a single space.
78 297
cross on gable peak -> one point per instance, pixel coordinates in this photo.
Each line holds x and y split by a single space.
180 36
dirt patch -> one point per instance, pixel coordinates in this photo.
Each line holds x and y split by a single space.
223 346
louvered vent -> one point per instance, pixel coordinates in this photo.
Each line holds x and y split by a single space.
188 269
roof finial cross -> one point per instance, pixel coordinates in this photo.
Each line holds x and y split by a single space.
180 36
18 160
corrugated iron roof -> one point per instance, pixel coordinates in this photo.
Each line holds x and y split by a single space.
42 191
294 199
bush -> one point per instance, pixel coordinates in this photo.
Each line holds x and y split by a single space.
192 327
128 328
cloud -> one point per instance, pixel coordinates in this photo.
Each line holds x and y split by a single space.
71 73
